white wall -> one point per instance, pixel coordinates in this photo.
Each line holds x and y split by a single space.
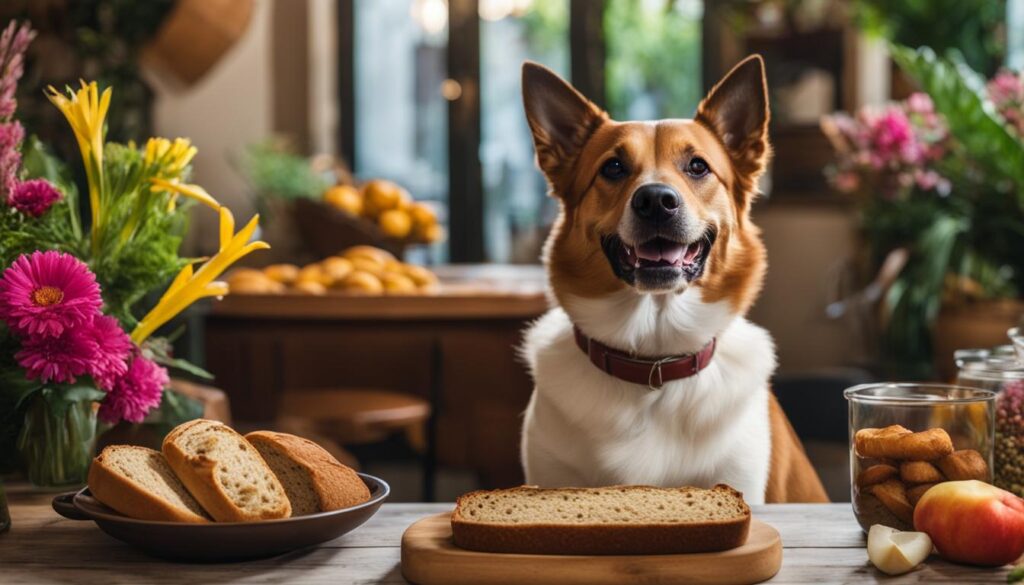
806 245
226 110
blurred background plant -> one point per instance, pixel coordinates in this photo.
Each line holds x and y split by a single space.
653 68
975 28
942 174
88 39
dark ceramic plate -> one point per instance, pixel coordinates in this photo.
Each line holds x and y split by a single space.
229 541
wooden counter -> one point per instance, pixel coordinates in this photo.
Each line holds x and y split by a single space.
456 347
821 544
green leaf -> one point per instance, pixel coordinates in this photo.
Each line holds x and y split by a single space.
15 390
275 173
63 396
183 365
1016 575
914 299
159 350
174 409
959 95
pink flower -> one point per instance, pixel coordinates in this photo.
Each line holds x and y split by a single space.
13 42
47 293
1006 87
135 393
894 138
920 103
1006 90
58 359
847 182
11 134
113 351
33 197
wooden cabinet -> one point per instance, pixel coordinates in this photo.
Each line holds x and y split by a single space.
457 348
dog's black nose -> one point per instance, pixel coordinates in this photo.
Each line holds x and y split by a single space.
656 202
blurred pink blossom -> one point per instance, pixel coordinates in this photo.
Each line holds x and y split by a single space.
889 151
1006 90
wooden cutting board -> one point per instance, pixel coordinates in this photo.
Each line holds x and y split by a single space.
430 558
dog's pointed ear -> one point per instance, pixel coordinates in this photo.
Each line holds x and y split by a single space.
560 118
736 109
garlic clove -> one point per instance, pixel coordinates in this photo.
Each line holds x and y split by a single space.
894 552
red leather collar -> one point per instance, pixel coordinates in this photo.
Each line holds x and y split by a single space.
652 373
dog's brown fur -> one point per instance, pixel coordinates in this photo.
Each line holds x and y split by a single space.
574 138
592 208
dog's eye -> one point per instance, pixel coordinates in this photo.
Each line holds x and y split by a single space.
613 168
697 167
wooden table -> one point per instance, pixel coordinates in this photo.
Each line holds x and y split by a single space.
823 544
456 348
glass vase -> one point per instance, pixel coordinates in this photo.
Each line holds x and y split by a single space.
57 441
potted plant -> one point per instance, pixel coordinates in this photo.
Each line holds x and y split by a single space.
941 174
77 342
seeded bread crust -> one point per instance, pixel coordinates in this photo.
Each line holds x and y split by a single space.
112 488
619 538
200 474
337 486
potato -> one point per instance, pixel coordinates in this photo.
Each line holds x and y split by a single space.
309 287
398 284
345 198
336 269
283 273
395 223
380 196
314 272
363 283
378 255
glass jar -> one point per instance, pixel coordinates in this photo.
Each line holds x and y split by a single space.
57 441
884 490
1001 370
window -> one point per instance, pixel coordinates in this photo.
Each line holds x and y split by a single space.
653 63
639 58
517 210
401 121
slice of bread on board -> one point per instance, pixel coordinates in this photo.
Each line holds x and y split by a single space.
312 478
225 473
139 483
618 520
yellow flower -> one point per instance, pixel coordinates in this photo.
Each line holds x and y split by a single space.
86 111
191 191
172 157
190 286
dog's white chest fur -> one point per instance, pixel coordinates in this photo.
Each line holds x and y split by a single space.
586 428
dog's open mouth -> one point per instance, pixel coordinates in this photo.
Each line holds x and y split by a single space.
659 262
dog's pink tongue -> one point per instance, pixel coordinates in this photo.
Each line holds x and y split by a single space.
660 251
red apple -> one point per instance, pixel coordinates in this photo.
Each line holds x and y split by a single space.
972 522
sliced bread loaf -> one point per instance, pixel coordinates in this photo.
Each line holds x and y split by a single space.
618 520
224 472
138 483
313 479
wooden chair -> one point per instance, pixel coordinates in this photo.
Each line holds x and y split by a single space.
358 416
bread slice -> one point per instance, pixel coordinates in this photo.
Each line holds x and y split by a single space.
312 478
138 483
619 520
224 472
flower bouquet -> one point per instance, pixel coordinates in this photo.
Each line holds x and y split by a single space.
942 175
73 346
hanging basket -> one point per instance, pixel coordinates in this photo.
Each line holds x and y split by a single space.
195 35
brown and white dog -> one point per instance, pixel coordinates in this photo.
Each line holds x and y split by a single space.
654 262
